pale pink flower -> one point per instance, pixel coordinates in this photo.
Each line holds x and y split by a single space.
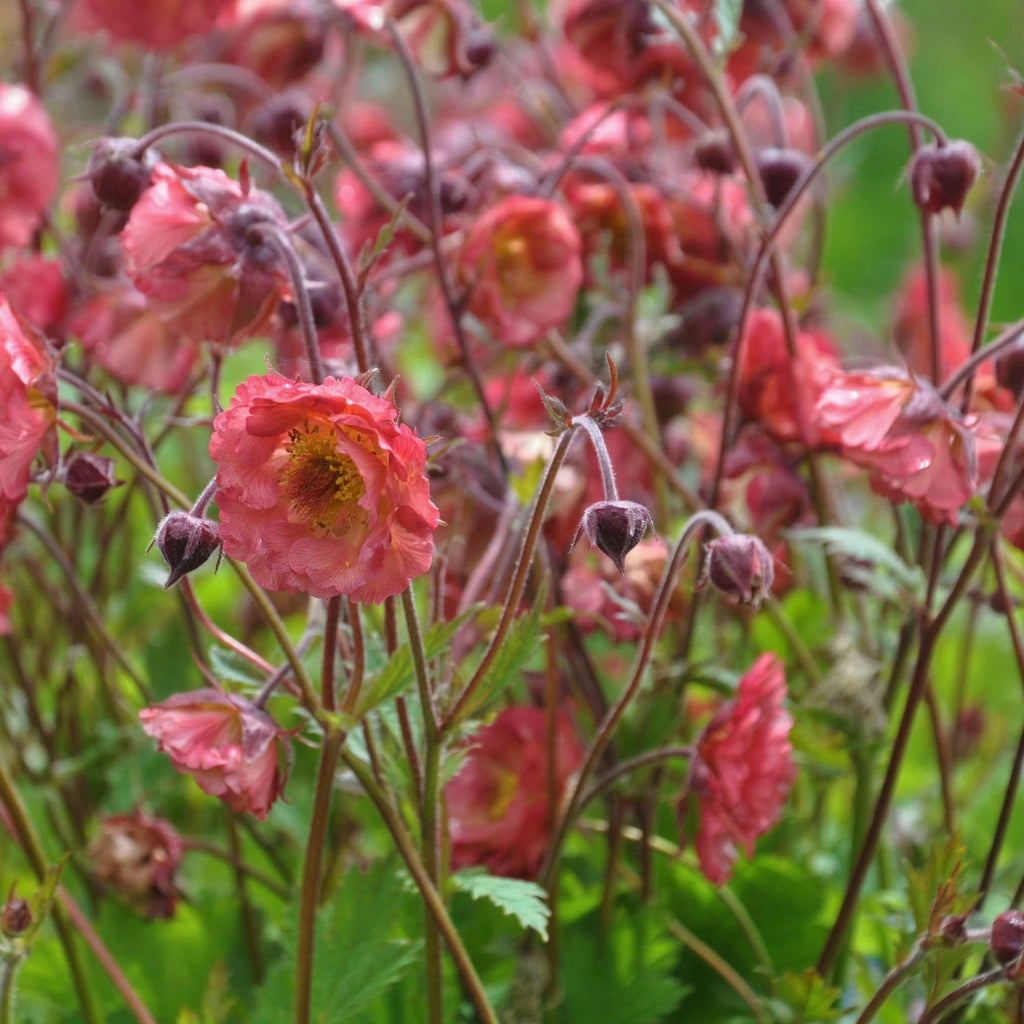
29 169
321 490
232 749
743 769
35 287
196 247
498 808
521 261
155 25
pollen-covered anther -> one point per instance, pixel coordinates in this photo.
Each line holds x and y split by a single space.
320 482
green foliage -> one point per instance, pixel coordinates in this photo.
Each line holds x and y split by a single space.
806 998
727 20
358 955
525 901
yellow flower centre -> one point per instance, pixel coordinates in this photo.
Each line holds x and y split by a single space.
320 483
505 789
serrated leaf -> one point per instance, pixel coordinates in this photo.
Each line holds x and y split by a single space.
399 672
525 901
862 547
229 666
809 998
368 256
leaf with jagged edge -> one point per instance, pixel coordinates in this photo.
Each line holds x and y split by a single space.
525 901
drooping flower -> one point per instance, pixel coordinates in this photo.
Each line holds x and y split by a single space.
499 814
196 247
232 749
28 164
743 769
321 490
916 446
139 855
521 262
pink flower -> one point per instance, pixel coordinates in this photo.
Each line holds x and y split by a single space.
28 164
35 287
743 769
155 25
521 260
321 490
499 815
917 448
232 749
196 249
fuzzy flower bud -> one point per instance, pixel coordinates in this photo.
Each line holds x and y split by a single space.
15 916
615 527
117 175
780 170
741 567
1008 937
185 541
88 477
941 176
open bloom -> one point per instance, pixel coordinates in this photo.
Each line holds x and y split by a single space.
743 769
916 447
499 814
28 164
522 262
196 247
231 748
321 490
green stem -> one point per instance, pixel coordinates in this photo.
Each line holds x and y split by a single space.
8 972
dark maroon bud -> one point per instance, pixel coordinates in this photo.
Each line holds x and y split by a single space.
714 153
953 928
455 192
1010 368
615 527
201 148
1008 937
941 176
780 170
741 567
16 916
276 122
88 477
185 541
480 47
117 174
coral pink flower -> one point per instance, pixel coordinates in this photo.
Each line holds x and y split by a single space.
155 25
743 769
119 331
522 261
196 249
321 490
28 164
778 391
499 815
231 748
917 448
35 287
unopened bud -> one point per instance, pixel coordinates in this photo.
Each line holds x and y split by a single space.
16 916
741 567
941 176
118 176
714 153
185 541
88 477
1008 937
277 121
953 928
780 170
615 527
1010 368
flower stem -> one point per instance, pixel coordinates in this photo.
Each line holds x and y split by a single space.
218 131
611 491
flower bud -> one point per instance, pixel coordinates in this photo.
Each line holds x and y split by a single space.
941 176
741 567
1010 368
1008 937
276 122
714 153
615 527
780 170
953 929
185 541
88 477
117 175
15 916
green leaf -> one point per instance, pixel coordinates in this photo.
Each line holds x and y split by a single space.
808 997
523 900
867 555
369 255
727 20
228 665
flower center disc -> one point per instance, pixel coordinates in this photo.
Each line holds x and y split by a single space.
320 483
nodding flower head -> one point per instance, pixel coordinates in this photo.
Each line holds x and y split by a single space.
615 527
741 567
941 176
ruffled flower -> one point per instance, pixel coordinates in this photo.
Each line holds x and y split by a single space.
232 749
321 490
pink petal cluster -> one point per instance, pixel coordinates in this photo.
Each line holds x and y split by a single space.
321 490
29 169
498 809
743 769
231 748
521 261
155 25
917 448
196 248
